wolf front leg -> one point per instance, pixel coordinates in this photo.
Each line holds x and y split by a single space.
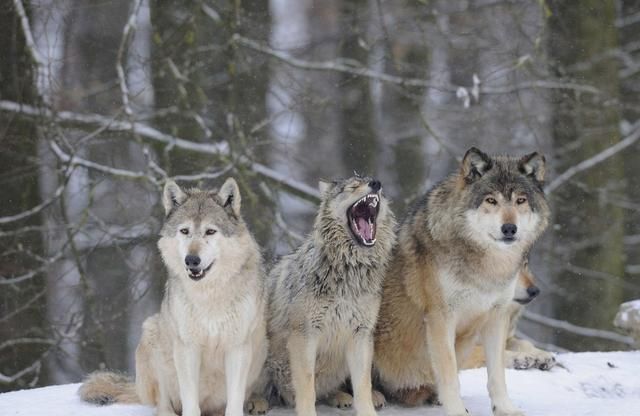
302 359
359 357
494 334
237 363
187 361
442 354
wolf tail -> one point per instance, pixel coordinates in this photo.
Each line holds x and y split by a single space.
103 387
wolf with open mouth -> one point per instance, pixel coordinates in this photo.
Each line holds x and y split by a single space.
324 299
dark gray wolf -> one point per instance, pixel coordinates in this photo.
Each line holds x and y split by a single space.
206 347
453 277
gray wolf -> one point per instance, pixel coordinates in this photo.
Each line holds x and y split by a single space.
207 345
520 354
453 276
324 299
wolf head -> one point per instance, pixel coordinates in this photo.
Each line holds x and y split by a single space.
357 206
203 230
526 289
503 200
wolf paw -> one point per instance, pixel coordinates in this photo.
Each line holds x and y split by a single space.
379 400
507 412
524 360
257 406
341 400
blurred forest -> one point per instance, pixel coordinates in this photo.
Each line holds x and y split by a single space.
102 101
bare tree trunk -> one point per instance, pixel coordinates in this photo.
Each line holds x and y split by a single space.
582 128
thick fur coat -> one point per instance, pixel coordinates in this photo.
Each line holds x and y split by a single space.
206 347
324 301
453 276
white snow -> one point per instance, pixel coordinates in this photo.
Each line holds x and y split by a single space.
602 384
628 316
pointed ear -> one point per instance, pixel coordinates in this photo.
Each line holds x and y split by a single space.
324 186
533 164
229 194
173 196
475 164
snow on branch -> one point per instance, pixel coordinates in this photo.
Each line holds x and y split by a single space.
352 67
578 330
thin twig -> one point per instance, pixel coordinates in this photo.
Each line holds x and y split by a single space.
220 149
127 32
594 160
42 70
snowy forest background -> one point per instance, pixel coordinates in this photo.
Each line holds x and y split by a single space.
101 101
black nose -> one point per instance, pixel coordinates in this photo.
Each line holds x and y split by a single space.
192 261
533 291
375 185
509 230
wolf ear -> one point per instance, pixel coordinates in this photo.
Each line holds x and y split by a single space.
475 164
324 186
229 194
173 196
533 164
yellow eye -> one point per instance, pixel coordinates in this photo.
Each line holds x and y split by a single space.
210 231
491 201
521 200
184 231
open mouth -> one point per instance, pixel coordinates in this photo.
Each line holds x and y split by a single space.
362 217
198 274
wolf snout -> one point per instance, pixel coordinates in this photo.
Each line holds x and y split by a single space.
192 262
375 185
509 231
533 291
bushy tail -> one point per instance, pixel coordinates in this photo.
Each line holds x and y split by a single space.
103 387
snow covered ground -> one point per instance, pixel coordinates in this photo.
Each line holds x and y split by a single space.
602 384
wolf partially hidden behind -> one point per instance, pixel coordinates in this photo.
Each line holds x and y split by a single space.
453 277
519 353
207 345
324 299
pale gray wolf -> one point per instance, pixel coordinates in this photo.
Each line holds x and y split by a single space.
520 354
453 276
206 347
324 299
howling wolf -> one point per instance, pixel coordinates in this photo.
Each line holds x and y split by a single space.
324 299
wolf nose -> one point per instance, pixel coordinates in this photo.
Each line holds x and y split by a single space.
533 291
375 185
192 261
509 230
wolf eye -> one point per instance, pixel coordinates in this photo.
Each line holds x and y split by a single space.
210 231
491 201
521 200
184 231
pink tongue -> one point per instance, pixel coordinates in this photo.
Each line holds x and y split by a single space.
366 230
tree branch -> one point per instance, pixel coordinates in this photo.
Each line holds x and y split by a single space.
578 330
352 67
595 160
221 149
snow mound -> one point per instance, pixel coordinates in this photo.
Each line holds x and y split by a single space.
628 316
584 384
